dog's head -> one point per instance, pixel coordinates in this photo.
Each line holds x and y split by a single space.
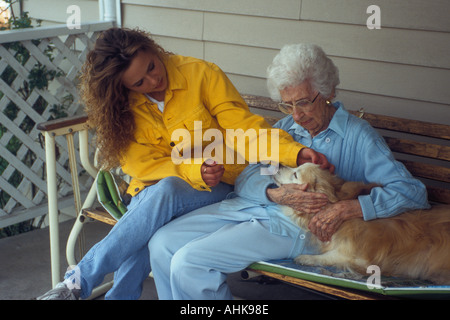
317 179
320 180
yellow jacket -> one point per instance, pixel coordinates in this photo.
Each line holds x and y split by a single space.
197 91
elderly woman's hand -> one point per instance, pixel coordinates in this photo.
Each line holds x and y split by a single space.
296 197
325 223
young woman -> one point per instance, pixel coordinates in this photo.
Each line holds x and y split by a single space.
137 95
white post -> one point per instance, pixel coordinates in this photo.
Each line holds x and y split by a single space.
89 201
52 193
110 11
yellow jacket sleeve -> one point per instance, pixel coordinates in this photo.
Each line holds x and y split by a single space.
147 165
232 113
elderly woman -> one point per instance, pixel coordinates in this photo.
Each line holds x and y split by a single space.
192 255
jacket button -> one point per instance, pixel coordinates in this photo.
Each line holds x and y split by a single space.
172 144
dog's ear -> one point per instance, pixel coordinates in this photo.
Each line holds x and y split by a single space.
327 183
308 177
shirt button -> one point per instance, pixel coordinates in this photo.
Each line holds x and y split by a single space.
327 140
136 190
302 236
172 144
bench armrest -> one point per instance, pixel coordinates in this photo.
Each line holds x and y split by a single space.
63 125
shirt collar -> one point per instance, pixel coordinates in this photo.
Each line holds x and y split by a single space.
338 123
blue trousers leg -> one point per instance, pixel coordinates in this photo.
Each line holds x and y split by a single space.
125 247
192 256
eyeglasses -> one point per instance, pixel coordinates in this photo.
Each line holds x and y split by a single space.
304 105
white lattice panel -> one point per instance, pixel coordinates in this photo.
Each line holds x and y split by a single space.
22 157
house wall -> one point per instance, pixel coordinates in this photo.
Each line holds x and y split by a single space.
402 69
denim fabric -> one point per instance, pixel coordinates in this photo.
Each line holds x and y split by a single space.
124 250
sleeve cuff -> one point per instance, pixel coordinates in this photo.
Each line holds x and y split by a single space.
193 173
367 207
292 154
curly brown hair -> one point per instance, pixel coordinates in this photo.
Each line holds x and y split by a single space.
103 94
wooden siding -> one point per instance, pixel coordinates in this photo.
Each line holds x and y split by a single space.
402 69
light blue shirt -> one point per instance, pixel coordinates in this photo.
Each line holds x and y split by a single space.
358 153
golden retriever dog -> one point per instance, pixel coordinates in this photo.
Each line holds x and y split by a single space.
415 244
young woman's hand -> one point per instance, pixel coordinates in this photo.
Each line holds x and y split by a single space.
309 155
212 172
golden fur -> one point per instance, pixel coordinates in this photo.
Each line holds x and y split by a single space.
415 244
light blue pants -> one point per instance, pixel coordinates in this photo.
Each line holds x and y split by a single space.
125 249
192 255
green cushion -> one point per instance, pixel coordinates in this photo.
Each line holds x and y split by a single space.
109 195
389 286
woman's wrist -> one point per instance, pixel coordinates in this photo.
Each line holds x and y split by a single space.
349 209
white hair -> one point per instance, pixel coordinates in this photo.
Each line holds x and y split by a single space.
297 63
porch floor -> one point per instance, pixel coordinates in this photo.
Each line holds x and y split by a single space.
25 269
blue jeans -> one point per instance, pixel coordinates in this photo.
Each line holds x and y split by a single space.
125 249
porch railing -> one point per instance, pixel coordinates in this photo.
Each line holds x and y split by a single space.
59 53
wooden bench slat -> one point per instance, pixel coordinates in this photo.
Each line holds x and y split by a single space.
99 214
422 128
259 102
61 123
439 195
423 149
429 171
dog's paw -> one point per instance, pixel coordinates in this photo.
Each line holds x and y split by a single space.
306 260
